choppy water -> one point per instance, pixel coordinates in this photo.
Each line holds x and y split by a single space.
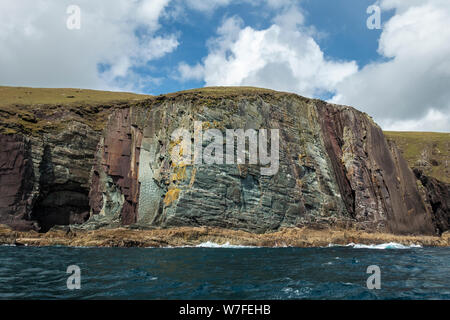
225 273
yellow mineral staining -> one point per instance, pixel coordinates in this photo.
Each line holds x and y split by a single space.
191 183
206 125
243 170
179 173
171 196
300 159
173 144
179 160
212 125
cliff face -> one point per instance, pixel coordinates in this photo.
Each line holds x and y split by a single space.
16 169
48 142
379 188
45 178
428 152
438 197
335 169
115 185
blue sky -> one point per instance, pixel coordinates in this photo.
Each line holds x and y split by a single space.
341 24
399 74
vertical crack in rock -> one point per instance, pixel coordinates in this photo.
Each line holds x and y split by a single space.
332 132
115 184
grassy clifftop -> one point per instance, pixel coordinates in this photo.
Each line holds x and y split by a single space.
34 110
37 110
10 96
429 151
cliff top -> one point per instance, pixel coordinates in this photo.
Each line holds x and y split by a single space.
35 110
11 96
228 91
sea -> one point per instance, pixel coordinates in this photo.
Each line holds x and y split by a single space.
212 271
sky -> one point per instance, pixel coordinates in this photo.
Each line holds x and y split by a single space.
398 72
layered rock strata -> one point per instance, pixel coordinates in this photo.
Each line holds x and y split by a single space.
336 169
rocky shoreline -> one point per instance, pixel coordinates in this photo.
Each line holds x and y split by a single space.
193 236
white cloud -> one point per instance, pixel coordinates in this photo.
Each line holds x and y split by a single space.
187 72
439 120
282 57
206 6
410 91
36 48
149 11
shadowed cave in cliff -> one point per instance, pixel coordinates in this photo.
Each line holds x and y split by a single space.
58 203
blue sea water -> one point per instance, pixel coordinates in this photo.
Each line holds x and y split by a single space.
212 272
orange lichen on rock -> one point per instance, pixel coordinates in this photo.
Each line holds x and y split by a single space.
171 196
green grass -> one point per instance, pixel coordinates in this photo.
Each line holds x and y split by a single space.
429 151
35 110
34 96
227 90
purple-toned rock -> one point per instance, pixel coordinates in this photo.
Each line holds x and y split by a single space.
335 168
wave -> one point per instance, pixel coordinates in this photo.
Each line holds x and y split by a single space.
389 245
227 245
208 244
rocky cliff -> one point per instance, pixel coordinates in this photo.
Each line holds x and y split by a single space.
110 164
428 152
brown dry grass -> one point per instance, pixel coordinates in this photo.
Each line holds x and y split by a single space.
35 110
10 96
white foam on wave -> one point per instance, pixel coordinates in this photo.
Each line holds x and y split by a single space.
207 244
226 245
389 245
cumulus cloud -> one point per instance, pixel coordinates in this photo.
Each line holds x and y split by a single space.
409 91
206 6
37 49
187 72
433 120
283 57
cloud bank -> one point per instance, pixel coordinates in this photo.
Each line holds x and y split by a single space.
282 57
410 91
37 49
